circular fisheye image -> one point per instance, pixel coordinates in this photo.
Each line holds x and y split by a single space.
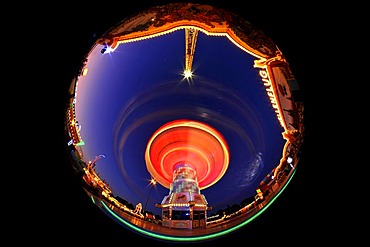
184 122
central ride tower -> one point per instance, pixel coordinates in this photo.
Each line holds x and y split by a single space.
186 156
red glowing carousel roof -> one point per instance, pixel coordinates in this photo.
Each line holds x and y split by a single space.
187 142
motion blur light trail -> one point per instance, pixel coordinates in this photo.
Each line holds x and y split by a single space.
187 142
197 101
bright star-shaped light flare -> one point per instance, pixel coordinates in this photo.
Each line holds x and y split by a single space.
187 74
106 49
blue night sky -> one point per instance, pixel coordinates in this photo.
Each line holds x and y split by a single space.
129 93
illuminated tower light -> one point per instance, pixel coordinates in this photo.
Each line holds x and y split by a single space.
191 35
